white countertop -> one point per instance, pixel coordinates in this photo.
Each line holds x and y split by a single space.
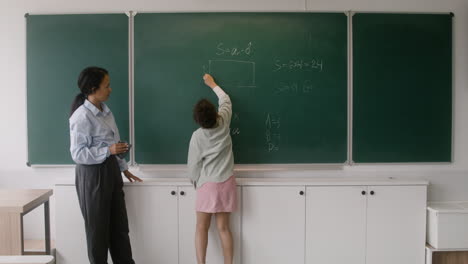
449 207
335 181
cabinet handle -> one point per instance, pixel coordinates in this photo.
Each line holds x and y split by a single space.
363 192
173 193
372 192
182 193
301 192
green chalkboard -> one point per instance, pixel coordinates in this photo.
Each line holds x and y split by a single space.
402 88
58 48
286 74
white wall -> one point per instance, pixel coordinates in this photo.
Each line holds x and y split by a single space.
449 182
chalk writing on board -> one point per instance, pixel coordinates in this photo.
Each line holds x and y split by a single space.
233 72
272 121
298 65
294 87
272 132
235 130
222 49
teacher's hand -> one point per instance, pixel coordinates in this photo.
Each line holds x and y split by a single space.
131 177
118 148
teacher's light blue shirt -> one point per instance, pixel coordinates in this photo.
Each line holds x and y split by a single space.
92 132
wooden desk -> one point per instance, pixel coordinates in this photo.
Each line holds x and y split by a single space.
14 204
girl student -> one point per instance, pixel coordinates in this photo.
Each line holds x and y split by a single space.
210 165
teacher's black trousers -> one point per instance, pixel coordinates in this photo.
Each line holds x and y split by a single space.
102 204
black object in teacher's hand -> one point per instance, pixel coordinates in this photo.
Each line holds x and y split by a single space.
124 154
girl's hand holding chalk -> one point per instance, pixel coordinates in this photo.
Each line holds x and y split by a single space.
209 81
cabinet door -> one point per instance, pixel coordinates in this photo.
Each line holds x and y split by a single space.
70 236
396 224
187 225
152 216
336 225
273 224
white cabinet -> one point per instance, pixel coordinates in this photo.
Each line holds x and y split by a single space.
373 224
187 225
162 223
336 224
70 236
447 225
274 224
273 220
152 213
396 224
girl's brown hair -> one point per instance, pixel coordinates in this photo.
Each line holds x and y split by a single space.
205 114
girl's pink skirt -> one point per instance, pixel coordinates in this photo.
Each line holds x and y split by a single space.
217 197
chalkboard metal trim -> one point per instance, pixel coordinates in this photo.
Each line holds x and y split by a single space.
288 167
84 13
131 84
249 167
350 15
403 163
188 12
39 166
28 163
405 12
453 113
243 11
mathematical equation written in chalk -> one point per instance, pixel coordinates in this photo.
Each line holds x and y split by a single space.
272 132
224 49
298 65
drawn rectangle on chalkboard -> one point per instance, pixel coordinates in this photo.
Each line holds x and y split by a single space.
233 72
